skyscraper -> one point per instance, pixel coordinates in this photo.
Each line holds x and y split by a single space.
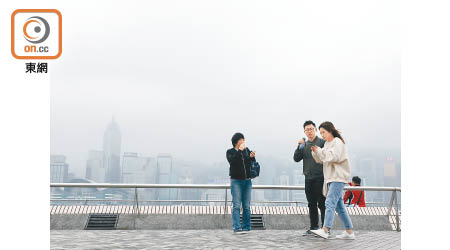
111 153
390 172
186 178
164 174
283 180
370 173
139 170
95 170
298 179
58 169
390 176
132 166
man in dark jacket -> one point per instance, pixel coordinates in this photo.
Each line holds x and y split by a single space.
240 158
313 172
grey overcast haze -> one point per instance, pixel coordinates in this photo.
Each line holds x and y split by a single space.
181 77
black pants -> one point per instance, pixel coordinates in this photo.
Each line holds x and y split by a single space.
313 190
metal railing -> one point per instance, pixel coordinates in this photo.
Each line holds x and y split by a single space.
393 201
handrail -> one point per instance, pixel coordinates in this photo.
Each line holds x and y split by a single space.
207 186
115 200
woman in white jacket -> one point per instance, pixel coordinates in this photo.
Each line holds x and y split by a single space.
336 172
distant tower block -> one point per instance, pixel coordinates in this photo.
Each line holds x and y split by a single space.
111 152
163 174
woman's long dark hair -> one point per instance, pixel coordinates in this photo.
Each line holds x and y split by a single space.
328 126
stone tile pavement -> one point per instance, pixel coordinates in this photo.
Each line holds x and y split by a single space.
216 239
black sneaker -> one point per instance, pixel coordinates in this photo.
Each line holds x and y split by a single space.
307 233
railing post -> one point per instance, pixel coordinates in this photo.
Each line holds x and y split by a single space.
136 200
391 203
397 217
226 201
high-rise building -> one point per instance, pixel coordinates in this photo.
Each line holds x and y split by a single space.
298 179
139 170
390 176
59 169
283 180
390 171
132 168
184 193
111 153
164 175
368 172
95 170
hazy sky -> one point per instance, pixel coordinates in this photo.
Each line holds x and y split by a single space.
182 76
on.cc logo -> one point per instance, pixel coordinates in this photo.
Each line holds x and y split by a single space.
36 29
36 34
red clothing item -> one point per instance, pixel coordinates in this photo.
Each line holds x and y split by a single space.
354 195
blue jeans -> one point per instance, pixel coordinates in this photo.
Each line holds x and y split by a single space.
334 202
241 191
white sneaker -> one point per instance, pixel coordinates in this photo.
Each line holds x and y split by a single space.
346 236
320 233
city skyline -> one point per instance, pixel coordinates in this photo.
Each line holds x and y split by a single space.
81 169
135 167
